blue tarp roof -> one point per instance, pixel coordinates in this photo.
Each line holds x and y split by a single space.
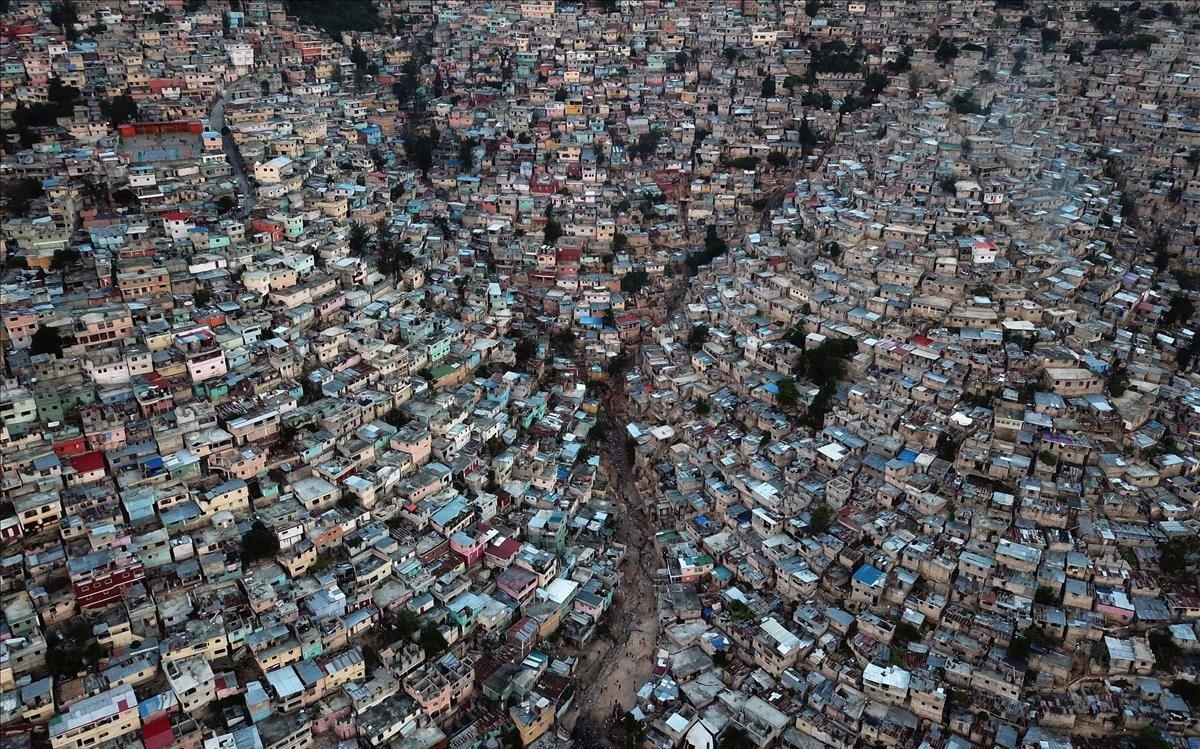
868 574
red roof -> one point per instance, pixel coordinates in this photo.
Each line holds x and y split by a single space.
176 215
88 462
156 725
505 549
157 733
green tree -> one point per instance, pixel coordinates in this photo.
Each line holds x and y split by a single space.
1117 380
905 633
735 738
285 438
786 394
633 732
714 247
1106 20
360 60
553 230
371 659
21 192
259 543
403 625
1188 690
383 230
1177 555
836 57
874 84
419 149
634 281
96 191
618 364
335 17
225 204
1180 310
646 145
524 352
826 363
65 15
946 51
814 418
119 109
598 431
1150 737
901 64
740 612
1166 652
358 238
466 153
563 341
821 518
64 258
1018 648
808 139
60 102
432 641
46 340
965 103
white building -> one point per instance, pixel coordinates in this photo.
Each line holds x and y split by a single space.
241 55
888 685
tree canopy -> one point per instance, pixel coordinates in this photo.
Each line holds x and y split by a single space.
259 543
432 641
46 340
335 17
553 229
119 109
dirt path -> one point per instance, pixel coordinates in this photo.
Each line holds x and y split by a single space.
613 670
616 668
